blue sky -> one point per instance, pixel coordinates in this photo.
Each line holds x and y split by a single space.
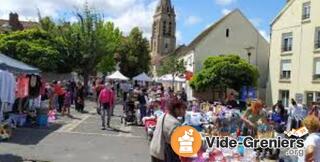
193 16
201 13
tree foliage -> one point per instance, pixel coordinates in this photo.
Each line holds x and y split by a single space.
36 47
171 65
134 54
225 71
85 46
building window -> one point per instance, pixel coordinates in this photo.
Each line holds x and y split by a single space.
164 27
287 42
317 38
170 28
316 75
306 11
285 69
166 46
284 97
227 33
312 97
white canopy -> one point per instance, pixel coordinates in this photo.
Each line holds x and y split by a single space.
143 77
169 78
117 76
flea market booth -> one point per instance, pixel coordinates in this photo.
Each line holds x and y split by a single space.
20 96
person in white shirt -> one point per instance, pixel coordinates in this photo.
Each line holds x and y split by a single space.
312 143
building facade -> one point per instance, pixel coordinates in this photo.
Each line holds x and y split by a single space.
232 34
295 53
163 40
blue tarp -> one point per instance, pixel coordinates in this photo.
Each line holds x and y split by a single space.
15 66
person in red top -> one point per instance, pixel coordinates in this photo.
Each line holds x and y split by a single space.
59 91
106 100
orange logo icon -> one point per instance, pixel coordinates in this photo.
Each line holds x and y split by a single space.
186 141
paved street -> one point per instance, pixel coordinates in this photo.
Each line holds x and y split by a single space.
79 139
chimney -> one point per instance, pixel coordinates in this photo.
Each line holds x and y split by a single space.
14 22
13 18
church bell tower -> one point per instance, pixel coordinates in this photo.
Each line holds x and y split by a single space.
163 40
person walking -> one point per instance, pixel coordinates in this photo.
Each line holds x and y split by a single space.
67 102
80 97
143 99
113 100
59 91
160 148
105 99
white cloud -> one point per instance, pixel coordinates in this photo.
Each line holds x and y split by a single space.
126 14
224 2
225 11
192 20
265 34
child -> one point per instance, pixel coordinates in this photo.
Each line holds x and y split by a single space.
67 102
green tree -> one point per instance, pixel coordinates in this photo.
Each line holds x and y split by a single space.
220 72
172 65
89 41
134 54
36 47
113 40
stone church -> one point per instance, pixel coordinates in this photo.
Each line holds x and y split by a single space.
163 40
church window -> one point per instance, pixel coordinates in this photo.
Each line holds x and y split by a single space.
170 28
227 33
164 27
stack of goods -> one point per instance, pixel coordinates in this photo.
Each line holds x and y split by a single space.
265 131
228 120
150 123
5 131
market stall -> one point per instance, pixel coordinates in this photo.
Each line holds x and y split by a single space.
20 95
117 76
168 80
143 77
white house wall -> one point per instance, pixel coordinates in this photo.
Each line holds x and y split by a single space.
303 52
242 35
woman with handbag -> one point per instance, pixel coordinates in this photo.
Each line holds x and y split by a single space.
160 148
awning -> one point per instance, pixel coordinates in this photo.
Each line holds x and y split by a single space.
15 66
117 76
143 77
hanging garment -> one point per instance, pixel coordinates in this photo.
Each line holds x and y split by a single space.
1 112
22 87
34 86
7 87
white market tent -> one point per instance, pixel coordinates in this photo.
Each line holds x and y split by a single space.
169 78
142 77
117 76
15 66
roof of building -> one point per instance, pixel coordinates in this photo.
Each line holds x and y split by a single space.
209 29
25 24
288 4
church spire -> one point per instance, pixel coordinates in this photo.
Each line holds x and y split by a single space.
165 6
165 3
